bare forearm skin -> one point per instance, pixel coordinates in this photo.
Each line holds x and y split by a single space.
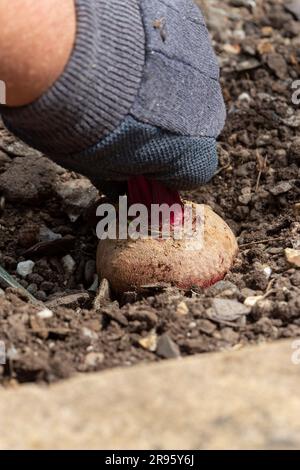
36 40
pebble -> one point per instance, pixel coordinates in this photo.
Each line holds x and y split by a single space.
267 271
252 300
69 264
245 97
149 342
243 3
228 310
45 314
166 347
294 8
89 333
25 268
32 288
278 65
293 257
92 359
232 48
35 278
41 295
182 309
46 235
76 196
267 31
2 292
249 64
223 289
281 188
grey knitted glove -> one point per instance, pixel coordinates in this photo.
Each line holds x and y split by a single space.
140 95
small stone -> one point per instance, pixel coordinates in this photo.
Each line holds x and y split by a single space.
45 314
267 271
293 257
149 342
93 359
182 309
77 195
243 3
232 48
281 188
41 295
247 65
46 235
267 31
252 300
166 347
225 310
278 65
25 268
69 264
2 292
293 7
89 334
223 289
265 47
245 97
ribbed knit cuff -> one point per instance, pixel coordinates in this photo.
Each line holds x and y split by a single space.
99 84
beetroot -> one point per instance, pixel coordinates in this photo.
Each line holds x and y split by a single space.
130 264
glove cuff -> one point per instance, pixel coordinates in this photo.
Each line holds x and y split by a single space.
98 87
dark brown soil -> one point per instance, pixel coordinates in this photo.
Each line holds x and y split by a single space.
256 190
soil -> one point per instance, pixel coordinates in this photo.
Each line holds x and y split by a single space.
75 328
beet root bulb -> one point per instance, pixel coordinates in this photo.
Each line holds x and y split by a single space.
131 264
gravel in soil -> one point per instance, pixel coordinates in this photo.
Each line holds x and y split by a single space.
46 218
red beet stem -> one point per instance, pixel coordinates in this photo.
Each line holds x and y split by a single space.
142 190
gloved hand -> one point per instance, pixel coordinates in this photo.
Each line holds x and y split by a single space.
139 96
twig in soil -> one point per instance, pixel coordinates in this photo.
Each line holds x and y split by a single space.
262 167
223 168
267 240
269 288
7 280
